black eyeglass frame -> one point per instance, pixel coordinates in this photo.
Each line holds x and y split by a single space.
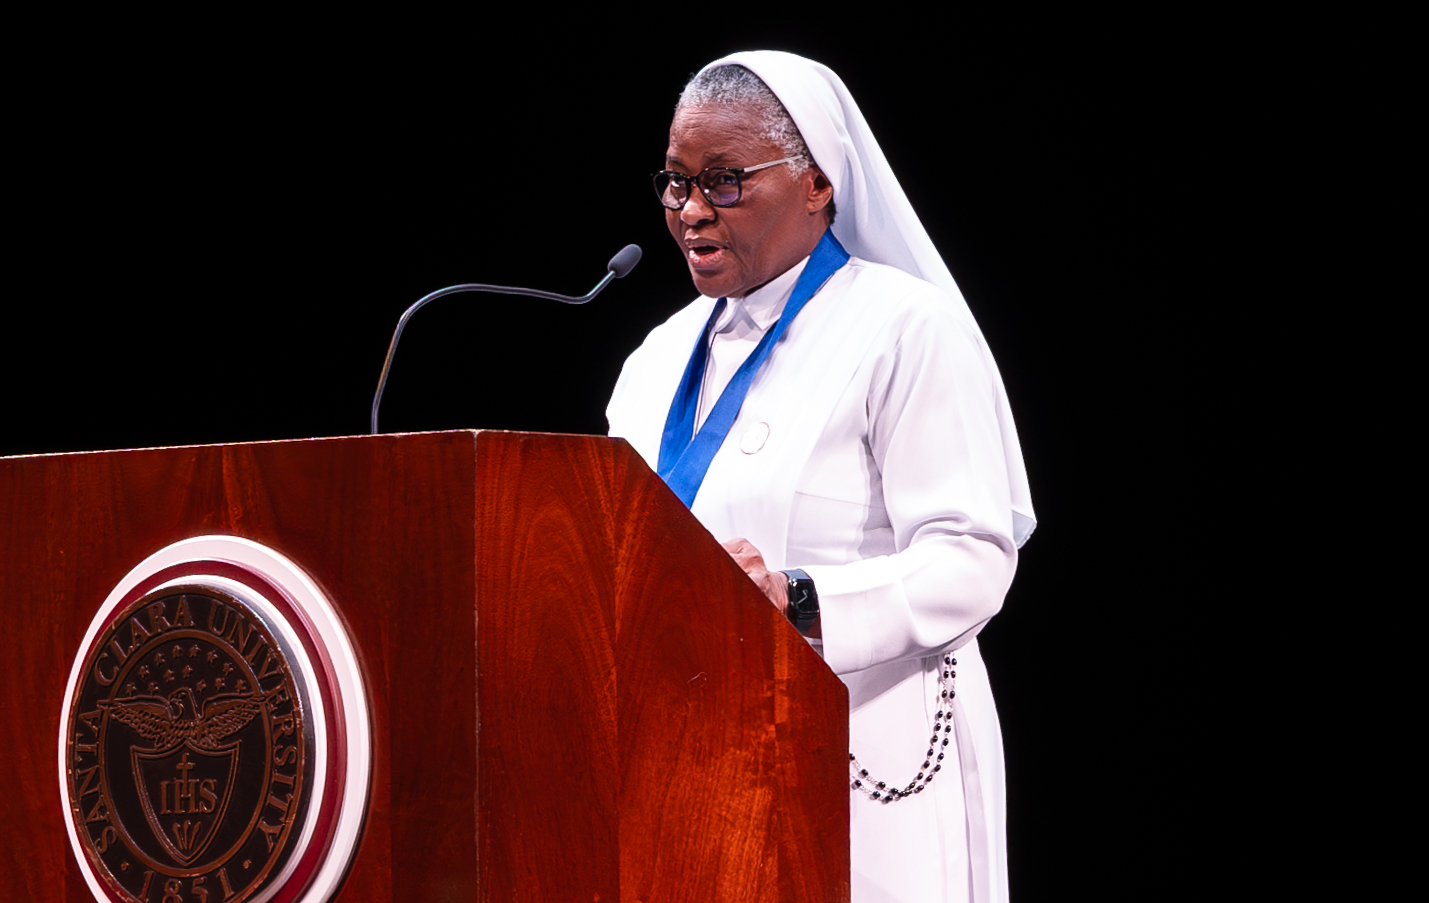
698 180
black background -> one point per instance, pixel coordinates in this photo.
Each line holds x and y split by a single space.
218 232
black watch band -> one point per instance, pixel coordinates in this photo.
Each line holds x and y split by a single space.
803 608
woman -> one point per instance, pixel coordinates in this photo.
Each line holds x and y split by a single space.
837 414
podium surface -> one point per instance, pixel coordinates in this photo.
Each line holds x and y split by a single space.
571 691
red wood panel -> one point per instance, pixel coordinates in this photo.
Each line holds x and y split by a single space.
644 726
384 524
696 723
549 791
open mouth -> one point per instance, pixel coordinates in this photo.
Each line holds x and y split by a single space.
705 255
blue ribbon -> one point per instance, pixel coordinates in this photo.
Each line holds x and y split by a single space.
685 460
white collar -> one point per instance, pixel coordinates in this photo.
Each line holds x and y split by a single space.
762 306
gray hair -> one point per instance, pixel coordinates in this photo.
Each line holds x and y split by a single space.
733 84
736 84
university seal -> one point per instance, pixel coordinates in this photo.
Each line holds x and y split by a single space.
204 746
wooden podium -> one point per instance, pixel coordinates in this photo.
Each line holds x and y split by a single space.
574 693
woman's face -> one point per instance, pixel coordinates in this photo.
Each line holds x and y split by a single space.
733 250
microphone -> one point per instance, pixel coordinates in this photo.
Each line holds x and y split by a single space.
621 264
619 267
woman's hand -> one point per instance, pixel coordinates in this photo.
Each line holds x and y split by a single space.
774 584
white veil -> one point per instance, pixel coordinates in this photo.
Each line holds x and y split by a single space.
875 220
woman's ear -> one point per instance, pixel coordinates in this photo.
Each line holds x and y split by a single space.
821 191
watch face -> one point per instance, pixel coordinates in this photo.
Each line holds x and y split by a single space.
802 598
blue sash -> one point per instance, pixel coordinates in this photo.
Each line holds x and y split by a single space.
683 460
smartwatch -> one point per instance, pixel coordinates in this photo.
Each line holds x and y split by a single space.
803 608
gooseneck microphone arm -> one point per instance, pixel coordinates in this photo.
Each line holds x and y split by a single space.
621 264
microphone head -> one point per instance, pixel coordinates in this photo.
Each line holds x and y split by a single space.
625 261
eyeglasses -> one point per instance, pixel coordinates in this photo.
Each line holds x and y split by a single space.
720 185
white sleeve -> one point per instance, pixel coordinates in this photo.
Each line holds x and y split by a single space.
933 436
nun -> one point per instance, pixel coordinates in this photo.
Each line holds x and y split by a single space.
830 411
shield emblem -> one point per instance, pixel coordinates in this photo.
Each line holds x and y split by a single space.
185 791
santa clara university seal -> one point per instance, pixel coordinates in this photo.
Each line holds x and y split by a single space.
214 743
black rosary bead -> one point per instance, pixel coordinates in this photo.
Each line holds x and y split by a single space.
942 725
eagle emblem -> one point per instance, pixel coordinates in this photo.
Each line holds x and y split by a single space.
170 721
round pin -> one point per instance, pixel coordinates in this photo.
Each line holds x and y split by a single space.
754 438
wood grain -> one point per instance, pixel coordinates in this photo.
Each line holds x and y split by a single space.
704 731
575 695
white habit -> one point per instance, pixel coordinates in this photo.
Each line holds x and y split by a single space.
875 450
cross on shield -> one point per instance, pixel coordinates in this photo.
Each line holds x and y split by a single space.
185 791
